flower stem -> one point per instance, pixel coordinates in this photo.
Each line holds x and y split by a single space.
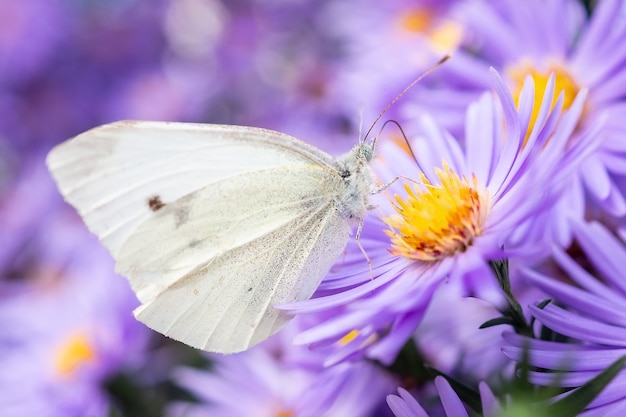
514 314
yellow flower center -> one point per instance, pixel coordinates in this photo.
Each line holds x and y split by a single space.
416 20
435 222
563 82
444 34
75 352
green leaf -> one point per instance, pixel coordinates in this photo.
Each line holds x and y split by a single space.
497 322
579 398
500 269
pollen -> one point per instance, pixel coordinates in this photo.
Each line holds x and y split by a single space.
563 82
73 353
437 221
349 337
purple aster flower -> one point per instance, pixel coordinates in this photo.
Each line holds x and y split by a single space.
463 210
405 405
65 317
590 312
537 38
276 379
388 44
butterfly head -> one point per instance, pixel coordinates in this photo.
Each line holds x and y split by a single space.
366 151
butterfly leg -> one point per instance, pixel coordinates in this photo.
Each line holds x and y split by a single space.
358 242
386 185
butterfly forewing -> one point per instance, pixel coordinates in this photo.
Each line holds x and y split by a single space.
117 174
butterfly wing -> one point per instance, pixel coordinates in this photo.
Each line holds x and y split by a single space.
213 225
226 275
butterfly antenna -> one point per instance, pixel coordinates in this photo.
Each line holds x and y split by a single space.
406 140
407 88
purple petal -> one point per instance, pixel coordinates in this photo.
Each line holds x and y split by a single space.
481 132
490 404
559 356
604 251
596 178
512 133
452 404
614 391
405 405
596 32
615 409
526 101
611 89
345 297
580 300
386 349
578 327
583 278
334 329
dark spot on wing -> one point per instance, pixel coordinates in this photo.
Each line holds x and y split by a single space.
181 215
249 289
155 203
194 243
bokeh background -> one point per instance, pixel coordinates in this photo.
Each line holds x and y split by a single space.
318 70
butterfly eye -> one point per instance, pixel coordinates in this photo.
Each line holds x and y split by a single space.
367 152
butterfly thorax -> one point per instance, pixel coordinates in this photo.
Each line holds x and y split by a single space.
359 181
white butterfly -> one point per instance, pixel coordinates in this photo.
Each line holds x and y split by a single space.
214 225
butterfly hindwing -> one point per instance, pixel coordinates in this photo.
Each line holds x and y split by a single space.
222 294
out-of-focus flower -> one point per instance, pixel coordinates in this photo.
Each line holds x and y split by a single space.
267 64
387 45
536 38
25 202
94 49
463 350
591 312
30 32
276 378
405 405
463 210
65 317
